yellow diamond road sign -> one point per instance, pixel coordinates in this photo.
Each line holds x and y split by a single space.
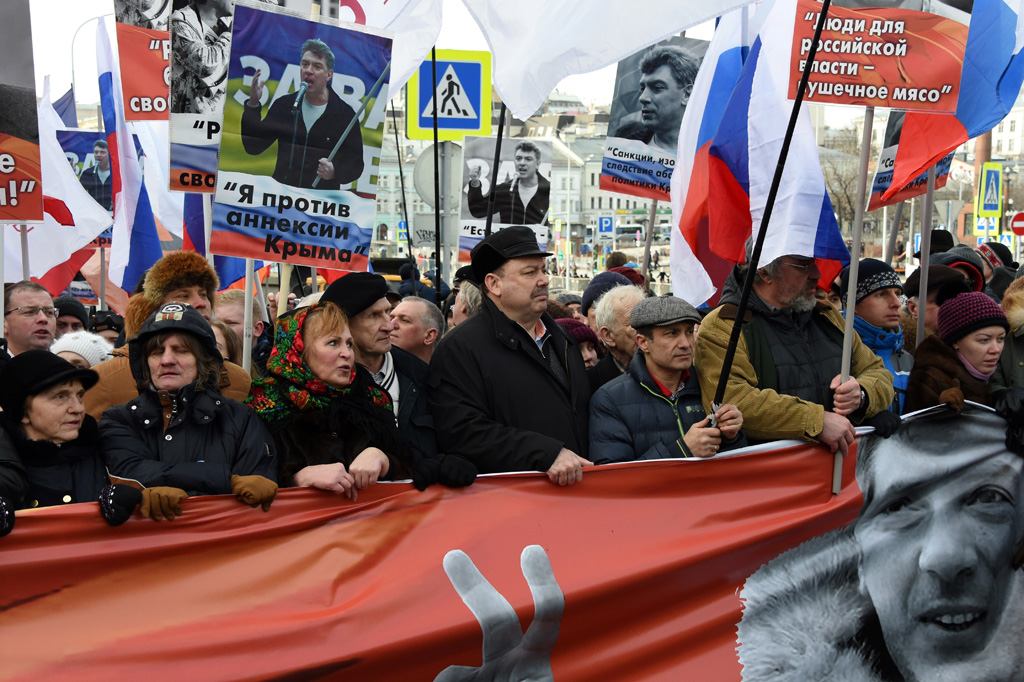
462 93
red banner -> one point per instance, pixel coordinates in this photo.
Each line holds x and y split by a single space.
882 56
650 558
144 54
21 185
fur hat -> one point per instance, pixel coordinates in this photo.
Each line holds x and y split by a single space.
32 372
176 269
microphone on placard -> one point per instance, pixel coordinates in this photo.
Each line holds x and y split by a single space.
302 93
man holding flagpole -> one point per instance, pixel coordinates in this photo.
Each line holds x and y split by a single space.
785 378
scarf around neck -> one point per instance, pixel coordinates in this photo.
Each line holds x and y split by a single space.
291 386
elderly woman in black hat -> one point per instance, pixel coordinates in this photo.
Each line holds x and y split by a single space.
48 432
180 436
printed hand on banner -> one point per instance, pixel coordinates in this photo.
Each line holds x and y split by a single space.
256 90
509 655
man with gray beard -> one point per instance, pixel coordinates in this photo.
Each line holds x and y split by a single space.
785 378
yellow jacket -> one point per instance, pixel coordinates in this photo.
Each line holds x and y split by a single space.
767 414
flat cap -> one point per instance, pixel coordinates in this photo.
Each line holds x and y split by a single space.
517 241
355 292
660 311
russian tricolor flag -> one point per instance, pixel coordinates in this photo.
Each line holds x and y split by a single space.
229 268
992 75
135 245
742 154
698 272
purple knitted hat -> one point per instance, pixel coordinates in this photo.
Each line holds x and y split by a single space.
578 330
969 312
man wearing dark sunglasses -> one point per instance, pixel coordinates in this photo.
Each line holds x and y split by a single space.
30 319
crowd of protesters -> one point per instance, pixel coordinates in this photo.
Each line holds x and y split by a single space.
365 383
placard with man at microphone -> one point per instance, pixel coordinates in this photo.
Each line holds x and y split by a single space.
303 125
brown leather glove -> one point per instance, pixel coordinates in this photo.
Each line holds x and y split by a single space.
254 490
162 502
953 397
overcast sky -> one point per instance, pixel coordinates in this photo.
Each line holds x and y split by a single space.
55 23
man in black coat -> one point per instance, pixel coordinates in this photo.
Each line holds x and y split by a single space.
508 387
362 296
306 126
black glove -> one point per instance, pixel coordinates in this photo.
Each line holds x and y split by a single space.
425 473
6 516
456 472
885 422
1009 403
118 502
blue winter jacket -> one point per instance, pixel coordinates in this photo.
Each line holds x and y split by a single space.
889 347
631 419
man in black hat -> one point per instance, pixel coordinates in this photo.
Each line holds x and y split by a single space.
71 315
362 296
508 386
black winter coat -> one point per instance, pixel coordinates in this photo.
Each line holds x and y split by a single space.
415 420
297 164
349 425
57 474
209 439
496 399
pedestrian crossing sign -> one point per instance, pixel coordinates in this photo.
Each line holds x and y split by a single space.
990 191
462 93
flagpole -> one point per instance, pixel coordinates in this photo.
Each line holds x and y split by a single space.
25 270
494 172
103 279
748 281
401 181
262 297
926 249
650 238
207 226
247 317
854 269
890 247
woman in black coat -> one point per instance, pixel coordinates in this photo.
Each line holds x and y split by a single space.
334 427
180 436
50 455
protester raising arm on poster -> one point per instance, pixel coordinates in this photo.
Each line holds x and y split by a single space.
306 126
199 55
522 200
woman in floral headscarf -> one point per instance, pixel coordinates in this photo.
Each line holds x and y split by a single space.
334 428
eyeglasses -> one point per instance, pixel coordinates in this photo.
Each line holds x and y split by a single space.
801 266
33 310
